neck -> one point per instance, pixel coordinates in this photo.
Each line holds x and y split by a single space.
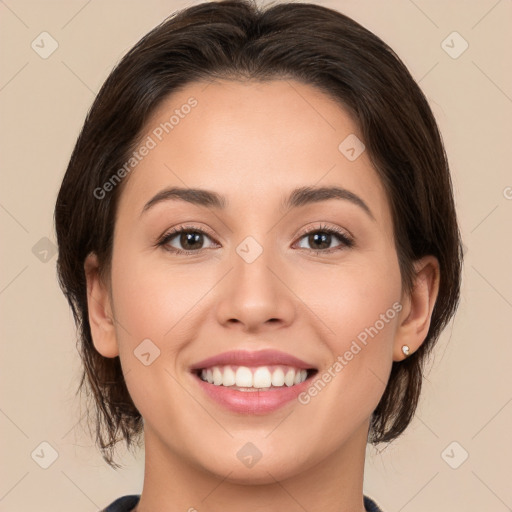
334 484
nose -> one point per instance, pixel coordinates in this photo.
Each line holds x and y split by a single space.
256 296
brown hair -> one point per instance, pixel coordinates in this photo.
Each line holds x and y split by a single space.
236 40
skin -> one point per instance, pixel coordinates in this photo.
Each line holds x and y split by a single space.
254 142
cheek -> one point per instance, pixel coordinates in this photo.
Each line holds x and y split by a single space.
151 303
359 309
353 297
153 300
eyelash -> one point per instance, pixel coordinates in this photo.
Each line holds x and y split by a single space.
346 241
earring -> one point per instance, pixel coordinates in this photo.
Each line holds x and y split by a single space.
405 350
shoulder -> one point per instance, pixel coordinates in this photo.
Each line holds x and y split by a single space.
126 503
370 505
123 504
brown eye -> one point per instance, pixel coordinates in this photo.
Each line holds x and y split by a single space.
191 240
321 240
185 241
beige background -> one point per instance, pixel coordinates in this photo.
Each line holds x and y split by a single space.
468 395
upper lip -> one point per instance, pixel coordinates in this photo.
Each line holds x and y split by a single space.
252 358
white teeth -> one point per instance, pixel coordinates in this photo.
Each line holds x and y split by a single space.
262 377
217 376
228 378
278 378
243 377
289 377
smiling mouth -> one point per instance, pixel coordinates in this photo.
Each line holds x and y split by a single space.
254 378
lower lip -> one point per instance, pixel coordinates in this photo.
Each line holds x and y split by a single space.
252 402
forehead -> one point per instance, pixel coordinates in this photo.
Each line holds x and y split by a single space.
253 140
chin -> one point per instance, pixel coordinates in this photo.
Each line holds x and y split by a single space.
255 472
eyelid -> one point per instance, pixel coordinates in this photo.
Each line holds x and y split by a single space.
326 228
188 227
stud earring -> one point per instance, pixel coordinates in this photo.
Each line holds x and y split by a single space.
405 350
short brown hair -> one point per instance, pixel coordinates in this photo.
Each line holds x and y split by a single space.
237 40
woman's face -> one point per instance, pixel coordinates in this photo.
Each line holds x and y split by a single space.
262 274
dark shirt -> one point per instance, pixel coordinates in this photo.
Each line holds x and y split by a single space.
127 503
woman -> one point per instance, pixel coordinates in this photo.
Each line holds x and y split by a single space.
258 240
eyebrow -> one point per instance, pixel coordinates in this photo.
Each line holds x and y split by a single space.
301 196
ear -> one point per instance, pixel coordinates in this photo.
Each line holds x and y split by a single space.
417 309
101 319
